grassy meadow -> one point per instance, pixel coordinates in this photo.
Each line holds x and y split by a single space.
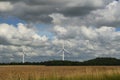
59 73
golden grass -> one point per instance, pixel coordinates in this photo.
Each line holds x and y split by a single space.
57 72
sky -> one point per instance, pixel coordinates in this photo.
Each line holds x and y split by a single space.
89 29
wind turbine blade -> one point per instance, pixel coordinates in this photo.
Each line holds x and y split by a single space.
67 51
59 51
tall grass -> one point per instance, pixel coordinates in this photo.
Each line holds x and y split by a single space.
59 73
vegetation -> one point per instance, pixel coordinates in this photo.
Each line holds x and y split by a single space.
59 72
93 62
103 61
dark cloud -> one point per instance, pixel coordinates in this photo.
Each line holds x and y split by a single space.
4 41
38 10
76 11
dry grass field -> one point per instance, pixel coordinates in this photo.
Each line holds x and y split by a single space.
59 73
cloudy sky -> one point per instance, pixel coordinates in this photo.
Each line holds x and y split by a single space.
89 29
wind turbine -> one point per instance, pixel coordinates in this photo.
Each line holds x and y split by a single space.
23 57
63 50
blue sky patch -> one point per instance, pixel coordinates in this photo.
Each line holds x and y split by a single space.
118 29
44 29
11 20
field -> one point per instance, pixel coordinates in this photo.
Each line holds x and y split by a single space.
59 72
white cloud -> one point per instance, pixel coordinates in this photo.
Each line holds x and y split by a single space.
59 18
82 41
108 16
20 35
112 5
14 39
88 32
93 40
5 6
90 41
60 30
82 3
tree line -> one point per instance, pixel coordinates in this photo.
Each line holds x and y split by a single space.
93 62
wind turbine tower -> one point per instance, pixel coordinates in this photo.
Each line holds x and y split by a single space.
23 57
63 51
